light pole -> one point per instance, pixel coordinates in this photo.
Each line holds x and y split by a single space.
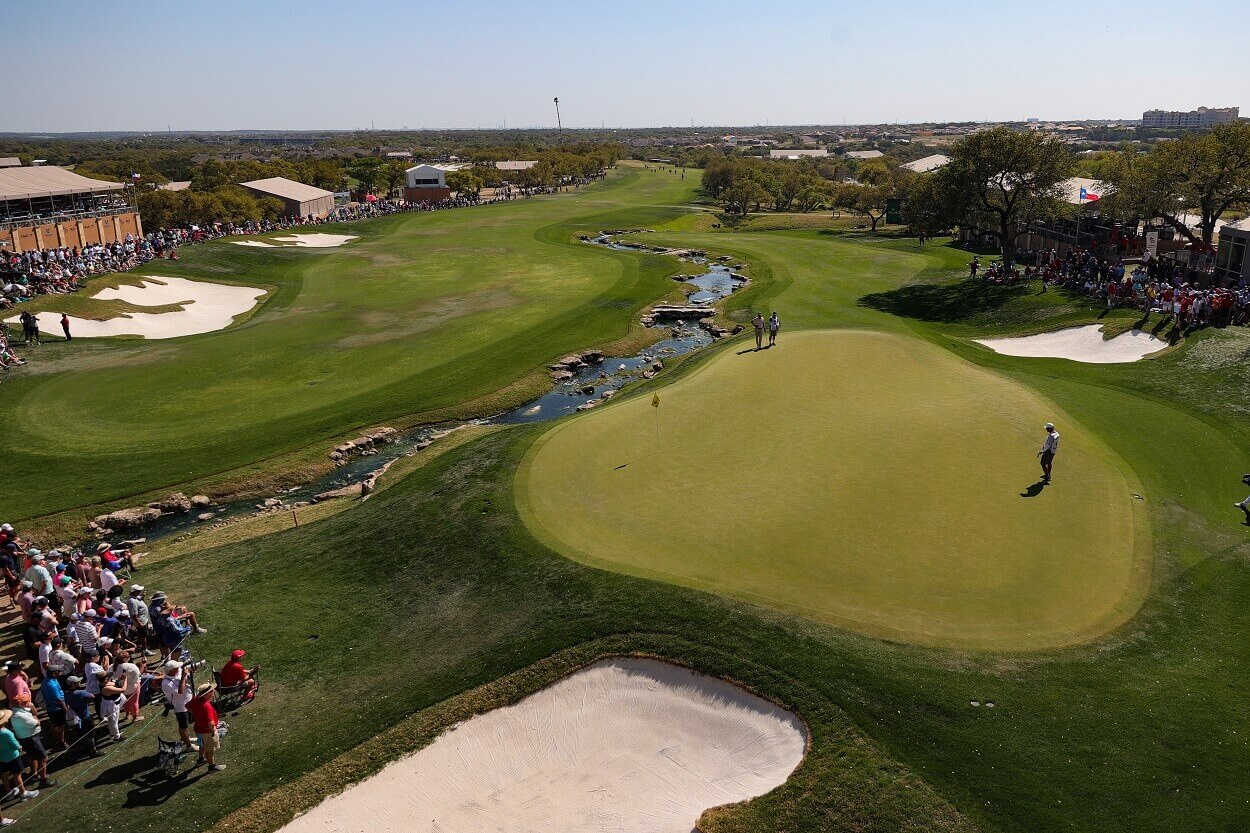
559 126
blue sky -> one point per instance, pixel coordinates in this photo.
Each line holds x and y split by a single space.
124 65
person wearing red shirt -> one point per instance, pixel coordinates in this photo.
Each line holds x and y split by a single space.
204 717
233 673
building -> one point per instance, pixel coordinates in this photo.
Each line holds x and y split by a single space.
927 163
797 154
298 199
1198 119
1231 264
180 185
516 165
864 154
10 162
49 207
427 182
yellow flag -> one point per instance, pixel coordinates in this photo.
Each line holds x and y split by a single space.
655 400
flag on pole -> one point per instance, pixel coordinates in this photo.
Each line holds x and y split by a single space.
1087 196
655 400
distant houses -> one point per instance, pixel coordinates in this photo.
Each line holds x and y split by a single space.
927 163
799 153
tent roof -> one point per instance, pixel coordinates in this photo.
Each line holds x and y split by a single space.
287 189
48 181
927 163
10 162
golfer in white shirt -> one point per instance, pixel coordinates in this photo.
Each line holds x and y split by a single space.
1049 449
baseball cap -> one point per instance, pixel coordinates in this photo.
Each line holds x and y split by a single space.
1050 426
238 654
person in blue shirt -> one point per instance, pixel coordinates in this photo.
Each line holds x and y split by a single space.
54 704
80 703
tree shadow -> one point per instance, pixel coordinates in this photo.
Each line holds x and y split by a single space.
945 302
1034 490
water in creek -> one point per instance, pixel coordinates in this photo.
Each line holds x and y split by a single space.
588 384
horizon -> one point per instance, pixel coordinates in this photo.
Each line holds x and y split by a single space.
611 71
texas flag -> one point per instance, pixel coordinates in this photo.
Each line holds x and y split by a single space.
1086 196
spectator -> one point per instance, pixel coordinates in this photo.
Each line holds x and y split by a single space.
11 764
204 718
27 729
176 686
80 702
233 673
54 704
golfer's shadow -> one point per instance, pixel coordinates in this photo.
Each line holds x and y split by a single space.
1034 490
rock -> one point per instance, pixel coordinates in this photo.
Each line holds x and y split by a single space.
200 500
93 526
648 374
586 406
657 365
608 394
205 516
681 312
592 357
271 503
561 375
128 518
175 503
737 329
586 390
347 491
424 444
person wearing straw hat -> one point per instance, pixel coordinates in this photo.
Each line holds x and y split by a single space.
11 764
204 717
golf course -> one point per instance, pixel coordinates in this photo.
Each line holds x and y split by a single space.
849 527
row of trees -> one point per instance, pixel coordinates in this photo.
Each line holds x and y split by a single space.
228 203
1000 180
746 184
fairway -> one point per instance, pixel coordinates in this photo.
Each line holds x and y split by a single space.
863 479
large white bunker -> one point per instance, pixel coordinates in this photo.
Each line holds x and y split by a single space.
1080 344
623 745
206 307
315 240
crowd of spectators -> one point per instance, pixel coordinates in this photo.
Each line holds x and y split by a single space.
96 650
1156 285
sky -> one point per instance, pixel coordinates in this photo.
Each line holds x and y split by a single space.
311 64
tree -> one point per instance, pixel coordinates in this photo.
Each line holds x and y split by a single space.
368 172
742 195
1205 174
393 174
997 181
880 180
464 183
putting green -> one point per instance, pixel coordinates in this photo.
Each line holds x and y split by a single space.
868 480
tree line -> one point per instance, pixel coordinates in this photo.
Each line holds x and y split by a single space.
745 184
999 181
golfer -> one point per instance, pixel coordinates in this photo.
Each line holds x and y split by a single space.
1244 506
758 323
774 324
65 327
1049 449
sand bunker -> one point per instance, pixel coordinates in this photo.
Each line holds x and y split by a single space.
205 307
305 241
1080 344
622 745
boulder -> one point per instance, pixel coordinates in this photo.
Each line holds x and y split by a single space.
200 500
128 518
205 516
175 503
